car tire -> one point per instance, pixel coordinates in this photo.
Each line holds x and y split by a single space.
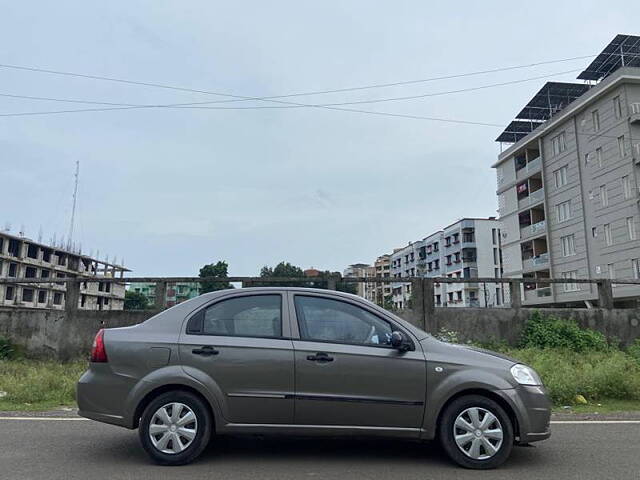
164 424
469 442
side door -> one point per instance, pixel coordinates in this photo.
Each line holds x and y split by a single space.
242 342
347 373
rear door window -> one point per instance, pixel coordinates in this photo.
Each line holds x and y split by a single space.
247 316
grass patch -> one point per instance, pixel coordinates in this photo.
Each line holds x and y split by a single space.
606 405
38 385
611 374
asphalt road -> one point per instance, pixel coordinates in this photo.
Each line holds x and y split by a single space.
49 449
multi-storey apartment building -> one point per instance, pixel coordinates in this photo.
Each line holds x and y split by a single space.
23 258
568 187
403 264
358 270
177 292
468 248
471 249
378 293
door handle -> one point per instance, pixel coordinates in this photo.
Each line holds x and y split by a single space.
320 357
206 351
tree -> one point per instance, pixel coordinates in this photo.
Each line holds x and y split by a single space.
219 270
283 269
135 301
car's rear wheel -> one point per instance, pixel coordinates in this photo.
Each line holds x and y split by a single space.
476 432
175 428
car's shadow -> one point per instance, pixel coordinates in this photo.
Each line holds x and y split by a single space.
257 451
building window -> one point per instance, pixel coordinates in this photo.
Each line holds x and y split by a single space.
560 177
42 296
621 146
558 144
568 245
30 272
13 269
635 267
611 271
57 298
631 228
572 275
617 107
607 234
27 294
604 197
563 211
494 236
8 294
599 157
594 232
44 273
595 117
626 187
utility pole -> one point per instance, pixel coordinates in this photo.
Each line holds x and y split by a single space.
73 208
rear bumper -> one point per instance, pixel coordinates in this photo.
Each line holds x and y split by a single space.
533 411
101 395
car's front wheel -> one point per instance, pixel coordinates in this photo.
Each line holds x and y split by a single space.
476 432
175 428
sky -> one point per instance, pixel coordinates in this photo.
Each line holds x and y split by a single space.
171 189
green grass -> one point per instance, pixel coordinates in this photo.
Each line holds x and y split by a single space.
609 380
606 405
611 374
37 385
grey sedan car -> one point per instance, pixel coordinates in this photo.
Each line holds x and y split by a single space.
299 361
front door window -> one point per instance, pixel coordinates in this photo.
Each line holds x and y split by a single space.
325 320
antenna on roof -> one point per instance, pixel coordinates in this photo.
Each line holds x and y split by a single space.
73 208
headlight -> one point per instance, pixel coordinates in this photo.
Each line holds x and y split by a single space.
525 375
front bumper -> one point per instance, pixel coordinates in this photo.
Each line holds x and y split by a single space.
533 411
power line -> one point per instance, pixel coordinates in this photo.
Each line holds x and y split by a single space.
358 102
317 92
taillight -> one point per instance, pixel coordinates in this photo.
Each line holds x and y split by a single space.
98 352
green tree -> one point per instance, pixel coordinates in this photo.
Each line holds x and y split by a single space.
219 270
283 269
135 301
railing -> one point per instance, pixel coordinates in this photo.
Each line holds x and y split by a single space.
532 198
422 287
541 259
533 229
531 167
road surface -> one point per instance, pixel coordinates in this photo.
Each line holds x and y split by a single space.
79 449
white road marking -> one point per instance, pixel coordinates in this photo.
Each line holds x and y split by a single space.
45 418
592 422
553 422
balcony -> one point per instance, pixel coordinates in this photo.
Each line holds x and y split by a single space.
531 167
532 198
635 113
535 262
535 229
537 294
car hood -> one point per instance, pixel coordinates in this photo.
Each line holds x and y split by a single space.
466 353
488 352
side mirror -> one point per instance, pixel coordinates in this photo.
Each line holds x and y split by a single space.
399 342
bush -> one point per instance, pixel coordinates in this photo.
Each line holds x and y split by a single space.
634 349
549 331
595 375
5 348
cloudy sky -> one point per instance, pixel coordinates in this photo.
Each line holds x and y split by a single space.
170 189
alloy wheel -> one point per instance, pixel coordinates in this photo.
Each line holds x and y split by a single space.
173 428
478 433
